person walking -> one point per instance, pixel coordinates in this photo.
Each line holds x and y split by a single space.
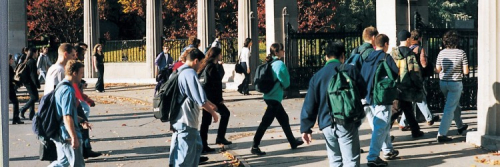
186 145
68 142
32 84
213 90
164 60
99 67
43 64
12 93
342 141
273 100
244 57
451 64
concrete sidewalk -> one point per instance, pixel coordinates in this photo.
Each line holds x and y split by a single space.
125 130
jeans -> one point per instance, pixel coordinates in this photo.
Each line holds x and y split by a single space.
207 120
452 90
67 156
381 137
424 109
342 144
99 85
243 87
186 146
274 110
33 92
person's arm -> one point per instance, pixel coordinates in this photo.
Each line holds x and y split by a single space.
283 76
309 111
465 63
158 58
70 127
34 73
95 63
38 62
196 92
423 57
439 64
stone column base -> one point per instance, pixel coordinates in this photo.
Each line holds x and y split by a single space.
488 142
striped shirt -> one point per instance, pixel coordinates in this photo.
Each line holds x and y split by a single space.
452 62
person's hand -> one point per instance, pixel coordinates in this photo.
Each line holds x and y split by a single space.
96 70
248 71
75 143
220 62
92 104
86 125
306 137
215 116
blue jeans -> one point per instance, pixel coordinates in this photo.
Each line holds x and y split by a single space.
342 144
424 109
186 146
452 90
381 137
67 156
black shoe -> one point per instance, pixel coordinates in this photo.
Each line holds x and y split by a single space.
391 155
297 143
17 121
392 138
203 159
256 150
434 119
90 154
377 163
208 150
462 129
22 114
223 141
442 139
418 134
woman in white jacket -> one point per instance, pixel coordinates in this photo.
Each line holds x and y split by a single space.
245 63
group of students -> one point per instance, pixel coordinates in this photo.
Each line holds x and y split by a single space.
64 79
342 139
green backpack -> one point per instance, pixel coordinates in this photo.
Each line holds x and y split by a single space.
385 90
344 99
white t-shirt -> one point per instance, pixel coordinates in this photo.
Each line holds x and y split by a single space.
55 74
245 55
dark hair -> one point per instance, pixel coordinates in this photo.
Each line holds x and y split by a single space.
31 54
273 51
79 52
10 56
83 44
247 42
381 39
73 66
24 50
211 55
194 54
451 39
334 49
369 32
197 42
415 34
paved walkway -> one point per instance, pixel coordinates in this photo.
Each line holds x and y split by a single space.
125 130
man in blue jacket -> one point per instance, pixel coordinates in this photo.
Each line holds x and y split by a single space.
164 60
342 140
380 114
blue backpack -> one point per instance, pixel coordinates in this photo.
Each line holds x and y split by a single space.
46 122
356 58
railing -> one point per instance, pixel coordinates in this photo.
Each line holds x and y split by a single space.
124 51
433 43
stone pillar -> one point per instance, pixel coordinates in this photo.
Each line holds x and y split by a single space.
4 82
90 33
206 23
392 16
488 113
17 26
154 32
248 20
278 14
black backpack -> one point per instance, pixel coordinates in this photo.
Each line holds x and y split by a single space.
202 77
46 122
165 104
264 80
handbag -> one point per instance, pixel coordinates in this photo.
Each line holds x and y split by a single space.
238 68
48 151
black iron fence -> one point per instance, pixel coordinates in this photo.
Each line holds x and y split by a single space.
304 56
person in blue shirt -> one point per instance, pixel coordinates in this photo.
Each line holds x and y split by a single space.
380 114
68 143
164 60
273 100
342 141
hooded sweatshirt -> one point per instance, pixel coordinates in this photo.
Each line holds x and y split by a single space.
370 67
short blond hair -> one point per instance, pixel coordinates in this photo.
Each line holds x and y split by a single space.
65 47
73 66
369 32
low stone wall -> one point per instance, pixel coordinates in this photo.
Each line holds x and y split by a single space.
126 71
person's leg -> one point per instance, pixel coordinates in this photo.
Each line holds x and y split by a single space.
33 93
62 160
396 111
78 160
267 120
206 120
381 122
407 108
246 83
349 143
284 121
452 99
369 116
457 116
101 78
185 147
15 104
424 109
224 121
387 144
402 121
332 146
